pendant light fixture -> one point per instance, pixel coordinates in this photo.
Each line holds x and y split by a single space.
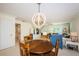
38 19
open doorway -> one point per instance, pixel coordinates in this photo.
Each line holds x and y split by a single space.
17 33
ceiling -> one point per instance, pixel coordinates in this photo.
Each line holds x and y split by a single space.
54 12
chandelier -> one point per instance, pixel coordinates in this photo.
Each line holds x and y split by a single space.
38 19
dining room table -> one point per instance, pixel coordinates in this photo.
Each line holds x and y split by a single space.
38 47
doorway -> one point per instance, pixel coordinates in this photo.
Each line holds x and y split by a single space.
17 33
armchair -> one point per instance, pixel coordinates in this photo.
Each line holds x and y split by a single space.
73 42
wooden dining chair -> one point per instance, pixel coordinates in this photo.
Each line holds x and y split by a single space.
45 37
28 38
24 46
24 49
54 51
56 48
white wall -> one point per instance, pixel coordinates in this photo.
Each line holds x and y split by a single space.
72 26
26 28
7 31
75 25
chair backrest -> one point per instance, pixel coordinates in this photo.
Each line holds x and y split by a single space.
45 37
27 38
31 36
44 33
57 47
74 36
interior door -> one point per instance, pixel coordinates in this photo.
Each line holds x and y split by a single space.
7 32
17 32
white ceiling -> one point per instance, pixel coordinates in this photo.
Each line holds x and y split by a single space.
53 11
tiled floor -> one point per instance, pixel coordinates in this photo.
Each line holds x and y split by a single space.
14 51
68 52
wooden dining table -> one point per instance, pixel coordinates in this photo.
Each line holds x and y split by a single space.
39 46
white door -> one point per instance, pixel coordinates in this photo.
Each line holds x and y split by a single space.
7 26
